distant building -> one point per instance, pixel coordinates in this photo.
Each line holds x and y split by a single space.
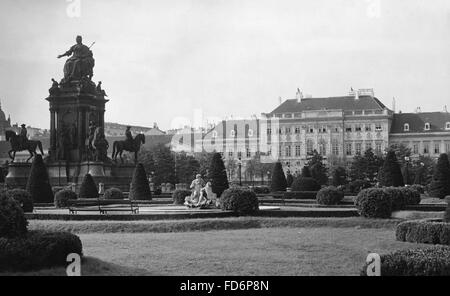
5 124
425 133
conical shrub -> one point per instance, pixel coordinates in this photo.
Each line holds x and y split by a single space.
218 175
279 182
88 188
140 188
38 184
392 173
440 185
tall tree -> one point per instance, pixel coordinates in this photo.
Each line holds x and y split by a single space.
339 176
186 167
392 174
218 175
231 166
440 185
279 182
318 169
164 165
204 158
366 166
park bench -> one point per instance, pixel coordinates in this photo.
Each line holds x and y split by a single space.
102 207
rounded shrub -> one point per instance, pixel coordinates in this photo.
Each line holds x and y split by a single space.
411 195
23 197
374 203
37 250
426 231
63 198
419 188
305 184
12 219
397 197
434 261
113 193
140 187
239 201
178 196
329 196
88 189
356 186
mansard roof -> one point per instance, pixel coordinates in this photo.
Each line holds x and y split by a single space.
417 121
347 103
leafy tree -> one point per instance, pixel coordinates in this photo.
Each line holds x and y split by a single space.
204 159
140 188
278 178
38 183
187 167
231 167
392 174
423 170
366 166
440 186
164 165
88 189
339 176
318 169
218 175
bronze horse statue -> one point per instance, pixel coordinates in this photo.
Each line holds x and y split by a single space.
120 146
30 145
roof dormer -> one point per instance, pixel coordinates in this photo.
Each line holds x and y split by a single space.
406 127
427 126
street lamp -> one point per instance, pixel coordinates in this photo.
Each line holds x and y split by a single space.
240 171
407 170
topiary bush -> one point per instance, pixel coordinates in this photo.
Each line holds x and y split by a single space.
411 196
305 184
279 182
239 201
218 175
434 261
440 184
424 231
329 196
140 187
63 198
179 196
113 193
300 195
88 189
12 219
38 184
23 197
356 186
391 171
419 188
261 190
37 250
447 213
397 197
374 203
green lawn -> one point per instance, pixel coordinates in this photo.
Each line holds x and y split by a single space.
270 251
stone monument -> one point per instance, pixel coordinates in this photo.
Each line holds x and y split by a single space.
77 141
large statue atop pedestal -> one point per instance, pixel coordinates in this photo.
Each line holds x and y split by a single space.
80 64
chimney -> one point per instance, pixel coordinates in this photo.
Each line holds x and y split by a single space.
279 100
393 104
418 110
445 109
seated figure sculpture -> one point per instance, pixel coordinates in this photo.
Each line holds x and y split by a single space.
80 63
202 196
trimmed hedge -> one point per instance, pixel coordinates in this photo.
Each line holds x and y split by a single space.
411 196
433 261
374 203
329 196
37 250
424 231
418 187
397 197
12 219
23 197
113 193
179 196
63 197
300 195
239 201
305 184
356 186
261 190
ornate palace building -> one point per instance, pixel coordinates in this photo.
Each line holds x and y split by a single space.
336 127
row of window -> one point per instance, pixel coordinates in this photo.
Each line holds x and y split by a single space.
427 126
426 148
324 129
322 149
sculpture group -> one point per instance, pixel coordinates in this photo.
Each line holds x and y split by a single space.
71 139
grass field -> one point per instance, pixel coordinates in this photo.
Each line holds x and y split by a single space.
271 251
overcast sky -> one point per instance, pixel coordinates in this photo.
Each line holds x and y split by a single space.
159 60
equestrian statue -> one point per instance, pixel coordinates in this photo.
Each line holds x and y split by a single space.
130 145
21 143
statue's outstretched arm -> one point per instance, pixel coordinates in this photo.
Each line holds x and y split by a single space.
66 54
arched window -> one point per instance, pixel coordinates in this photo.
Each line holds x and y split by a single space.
406 127
427 126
